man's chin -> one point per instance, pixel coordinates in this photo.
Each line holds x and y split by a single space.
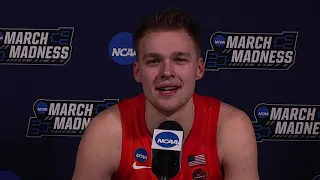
167 105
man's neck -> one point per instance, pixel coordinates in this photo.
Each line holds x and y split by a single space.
184 116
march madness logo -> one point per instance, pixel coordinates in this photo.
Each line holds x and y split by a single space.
287 122
263 51
64 118
35 46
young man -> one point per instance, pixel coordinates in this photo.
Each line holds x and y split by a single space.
168 64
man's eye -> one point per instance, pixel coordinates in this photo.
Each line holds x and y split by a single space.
180 59
152 61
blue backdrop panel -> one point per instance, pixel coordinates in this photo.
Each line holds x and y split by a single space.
92 70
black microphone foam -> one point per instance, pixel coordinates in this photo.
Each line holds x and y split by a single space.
170 125
166 163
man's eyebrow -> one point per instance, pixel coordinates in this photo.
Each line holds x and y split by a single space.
174 54
151 55
179 53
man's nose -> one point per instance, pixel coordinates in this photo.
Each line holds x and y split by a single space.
167 69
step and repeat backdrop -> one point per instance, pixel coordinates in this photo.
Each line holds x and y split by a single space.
62 63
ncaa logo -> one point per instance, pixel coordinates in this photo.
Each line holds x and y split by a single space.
263 112
42 107
219 41
167 139
121 48
141 155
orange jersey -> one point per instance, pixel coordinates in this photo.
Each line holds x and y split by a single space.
200 159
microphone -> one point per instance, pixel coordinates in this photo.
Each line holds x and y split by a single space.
166 150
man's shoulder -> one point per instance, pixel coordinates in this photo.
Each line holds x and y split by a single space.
237 141
234 125
107 122
231 115
226 111
112 116
230 111
100 147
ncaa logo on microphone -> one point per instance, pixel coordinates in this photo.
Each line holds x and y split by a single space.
167 140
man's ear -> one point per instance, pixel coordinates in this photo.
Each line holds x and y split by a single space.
200 69
136 72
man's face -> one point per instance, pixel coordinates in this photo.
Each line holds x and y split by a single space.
168 68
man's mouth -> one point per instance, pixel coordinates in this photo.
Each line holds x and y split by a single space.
169 88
